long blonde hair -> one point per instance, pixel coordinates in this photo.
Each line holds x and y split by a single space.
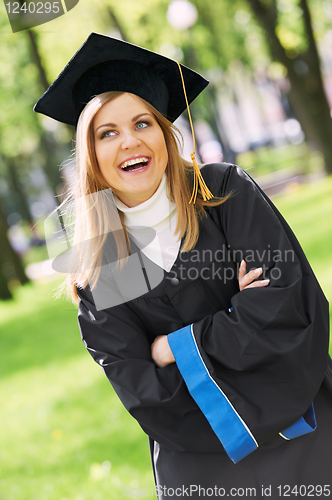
93 221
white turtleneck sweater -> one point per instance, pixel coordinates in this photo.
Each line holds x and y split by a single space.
159 214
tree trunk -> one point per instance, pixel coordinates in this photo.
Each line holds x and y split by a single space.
8 259
307 95
37 59
17 188
51 170
5 293
117 24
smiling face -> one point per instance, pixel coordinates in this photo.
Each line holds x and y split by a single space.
130 148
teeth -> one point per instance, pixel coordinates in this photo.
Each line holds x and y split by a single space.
134 161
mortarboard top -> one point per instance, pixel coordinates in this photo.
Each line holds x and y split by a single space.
103 64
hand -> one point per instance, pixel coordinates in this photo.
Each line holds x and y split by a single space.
247 280
161 352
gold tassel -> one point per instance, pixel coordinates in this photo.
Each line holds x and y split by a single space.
198 178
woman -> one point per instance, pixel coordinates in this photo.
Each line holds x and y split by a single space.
223 374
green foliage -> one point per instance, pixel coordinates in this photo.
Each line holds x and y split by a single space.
291 29
321 13
18 83
225 31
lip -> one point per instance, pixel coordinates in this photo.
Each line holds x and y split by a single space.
136 171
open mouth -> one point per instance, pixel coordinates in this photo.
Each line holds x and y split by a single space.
135 164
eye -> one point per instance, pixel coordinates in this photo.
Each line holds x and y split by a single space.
108 133
141 125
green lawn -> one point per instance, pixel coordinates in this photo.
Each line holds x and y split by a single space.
64 435
308 210
289 158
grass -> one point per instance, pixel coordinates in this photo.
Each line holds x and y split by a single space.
291 158
308 210
35 254
64 434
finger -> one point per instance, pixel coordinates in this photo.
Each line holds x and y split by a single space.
257 284
242 269
251 276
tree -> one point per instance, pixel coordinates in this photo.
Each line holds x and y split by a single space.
10 263
300 57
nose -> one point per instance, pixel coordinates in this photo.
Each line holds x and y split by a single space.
129 140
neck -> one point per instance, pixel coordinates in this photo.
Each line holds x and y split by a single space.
135 200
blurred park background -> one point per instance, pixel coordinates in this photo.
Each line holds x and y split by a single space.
64 435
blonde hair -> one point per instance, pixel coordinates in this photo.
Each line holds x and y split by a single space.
94 222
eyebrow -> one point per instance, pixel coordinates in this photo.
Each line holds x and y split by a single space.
134 119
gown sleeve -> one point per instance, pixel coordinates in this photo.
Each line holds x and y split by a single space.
255 370
156 397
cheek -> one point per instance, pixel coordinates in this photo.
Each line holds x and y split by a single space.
105 158
162 150
104 162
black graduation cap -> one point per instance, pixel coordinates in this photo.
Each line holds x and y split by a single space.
103 64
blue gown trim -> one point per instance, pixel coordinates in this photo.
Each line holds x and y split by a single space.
233 433
231 430
304 425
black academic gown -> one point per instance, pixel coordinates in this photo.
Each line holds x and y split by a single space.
248 403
